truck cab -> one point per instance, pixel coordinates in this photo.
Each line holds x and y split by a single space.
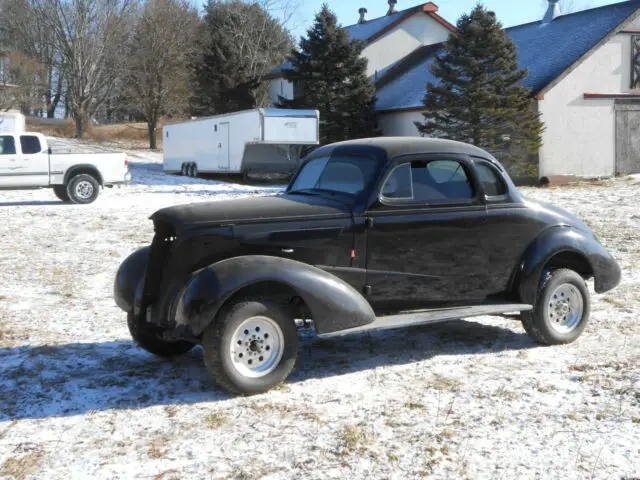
24 160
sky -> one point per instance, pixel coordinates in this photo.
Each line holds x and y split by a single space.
509 12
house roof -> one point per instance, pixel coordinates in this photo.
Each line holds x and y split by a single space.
546 50
373 29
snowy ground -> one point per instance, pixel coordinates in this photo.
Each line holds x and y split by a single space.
472 399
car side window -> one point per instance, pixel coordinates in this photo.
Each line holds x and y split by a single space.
7 145
492 183
428 182
30 144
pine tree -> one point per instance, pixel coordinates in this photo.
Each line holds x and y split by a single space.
330 75
479 97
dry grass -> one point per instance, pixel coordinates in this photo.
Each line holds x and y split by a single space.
354 439
158 448
440 382
414 406
216 420
20 467
135 133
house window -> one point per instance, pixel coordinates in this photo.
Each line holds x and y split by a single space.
635 61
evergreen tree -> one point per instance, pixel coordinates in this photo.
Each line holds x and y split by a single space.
238 44
479 97
329 75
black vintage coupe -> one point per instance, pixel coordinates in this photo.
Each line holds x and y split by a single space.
370 234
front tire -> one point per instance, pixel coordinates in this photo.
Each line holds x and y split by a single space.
148 337
60 191
83 189
562 309
251 346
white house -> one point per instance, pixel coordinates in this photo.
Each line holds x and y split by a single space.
584 73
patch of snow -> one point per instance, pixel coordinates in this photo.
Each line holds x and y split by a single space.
466 399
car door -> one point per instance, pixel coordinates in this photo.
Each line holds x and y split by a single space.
510 227
35 160
9 161
424 245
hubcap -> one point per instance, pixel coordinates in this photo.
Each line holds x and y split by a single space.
565 309
257 347
84 190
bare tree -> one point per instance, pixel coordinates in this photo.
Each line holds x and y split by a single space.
25 32
91 36
20 82
158 73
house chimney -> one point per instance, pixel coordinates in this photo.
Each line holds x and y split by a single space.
392 7
552 12
362 12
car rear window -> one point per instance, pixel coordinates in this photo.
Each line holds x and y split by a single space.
30 144
492 183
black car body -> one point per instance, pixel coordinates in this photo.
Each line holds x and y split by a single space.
366 229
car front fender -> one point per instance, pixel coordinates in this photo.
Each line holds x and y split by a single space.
559 239
130 279
334 304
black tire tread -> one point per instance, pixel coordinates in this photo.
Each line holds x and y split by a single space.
60 191
82 176
212 343
532 320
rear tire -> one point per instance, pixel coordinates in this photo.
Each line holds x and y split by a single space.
250 347
562 309
148 337
183 170
83 189
194 170
60 191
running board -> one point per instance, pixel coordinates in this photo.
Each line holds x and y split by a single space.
424 317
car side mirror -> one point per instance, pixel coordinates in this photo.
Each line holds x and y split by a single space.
49 151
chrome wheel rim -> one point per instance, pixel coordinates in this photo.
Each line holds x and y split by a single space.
565 308
84 190
256 347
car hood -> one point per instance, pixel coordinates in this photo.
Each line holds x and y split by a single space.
285 207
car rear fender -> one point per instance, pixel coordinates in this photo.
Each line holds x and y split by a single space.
334 304
560 240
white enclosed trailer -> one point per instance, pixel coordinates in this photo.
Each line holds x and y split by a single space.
12 122
264 140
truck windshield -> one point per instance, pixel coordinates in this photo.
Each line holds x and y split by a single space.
335 174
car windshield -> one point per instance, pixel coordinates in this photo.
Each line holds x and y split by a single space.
343 174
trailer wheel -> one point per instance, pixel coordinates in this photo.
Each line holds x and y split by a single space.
183 170
194 170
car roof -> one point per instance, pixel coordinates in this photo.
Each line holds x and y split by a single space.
396 146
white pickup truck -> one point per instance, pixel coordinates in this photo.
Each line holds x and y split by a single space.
26 162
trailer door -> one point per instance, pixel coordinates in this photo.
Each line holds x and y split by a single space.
223 146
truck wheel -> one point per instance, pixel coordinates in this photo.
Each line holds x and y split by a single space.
60 191
183 170
83 189
561 312
250 347
194 170
148 338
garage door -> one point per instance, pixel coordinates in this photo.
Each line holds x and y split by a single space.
627 137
